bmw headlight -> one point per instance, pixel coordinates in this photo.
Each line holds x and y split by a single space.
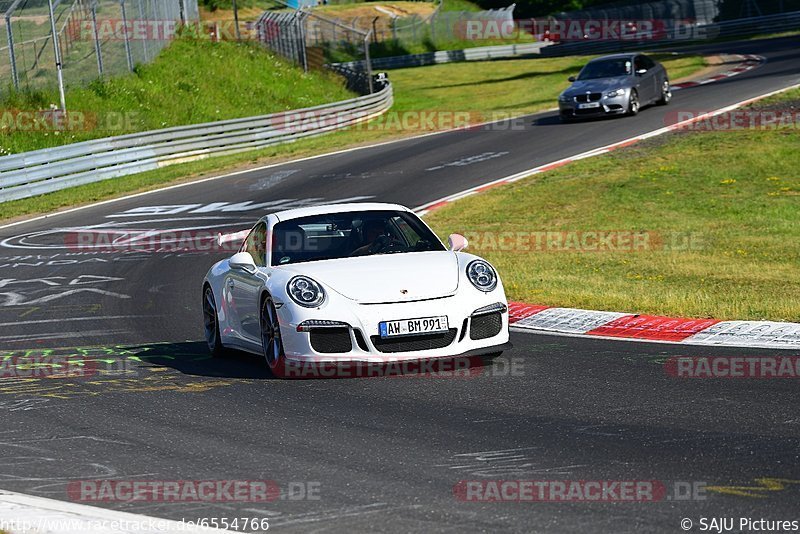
305 291
563 98
615 92
482 275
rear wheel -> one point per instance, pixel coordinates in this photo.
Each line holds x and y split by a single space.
211 324
666 94
271 340
633 103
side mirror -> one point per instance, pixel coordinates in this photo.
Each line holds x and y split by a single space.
571 79
243 261
641 72
457 242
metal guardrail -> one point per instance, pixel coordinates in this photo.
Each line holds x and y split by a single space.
52 169
479 53
703 32
692 35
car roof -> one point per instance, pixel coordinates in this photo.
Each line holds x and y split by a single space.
616 56
337 208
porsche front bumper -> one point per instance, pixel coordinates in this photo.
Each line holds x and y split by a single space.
477 325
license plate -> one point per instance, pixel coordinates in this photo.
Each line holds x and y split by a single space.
411 327
589 105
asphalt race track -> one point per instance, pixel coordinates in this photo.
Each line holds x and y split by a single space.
376 454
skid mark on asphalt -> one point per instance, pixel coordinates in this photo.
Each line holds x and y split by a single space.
24 405
515 461
271 180
469 160
335 513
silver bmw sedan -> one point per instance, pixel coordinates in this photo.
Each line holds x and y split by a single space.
620 84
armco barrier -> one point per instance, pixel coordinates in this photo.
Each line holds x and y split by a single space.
782 22
479 53
51 169
729 29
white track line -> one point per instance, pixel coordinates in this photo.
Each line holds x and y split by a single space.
24 514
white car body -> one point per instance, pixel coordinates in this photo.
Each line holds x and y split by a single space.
360 292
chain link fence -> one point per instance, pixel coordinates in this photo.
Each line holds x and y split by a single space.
401 32
93 38
287 34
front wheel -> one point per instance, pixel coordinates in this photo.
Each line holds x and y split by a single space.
666 94
271 339
211 324
633 103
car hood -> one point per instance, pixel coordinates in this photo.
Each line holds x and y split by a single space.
598 85
387 277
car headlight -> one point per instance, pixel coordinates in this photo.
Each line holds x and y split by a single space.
564 98
305 291
615 92
482 275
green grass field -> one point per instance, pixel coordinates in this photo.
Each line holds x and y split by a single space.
506 88
192 81
721 210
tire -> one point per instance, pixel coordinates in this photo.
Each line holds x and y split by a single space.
633 103
211 324
271 339
666 94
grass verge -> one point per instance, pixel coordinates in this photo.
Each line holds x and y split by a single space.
720 209
484 89
192 81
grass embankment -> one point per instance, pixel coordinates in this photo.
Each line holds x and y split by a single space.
511 87
722 210
192 81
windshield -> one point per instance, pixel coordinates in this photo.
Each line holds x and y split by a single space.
343 235
608 68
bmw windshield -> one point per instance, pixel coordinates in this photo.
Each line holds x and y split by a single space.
608 68
351 234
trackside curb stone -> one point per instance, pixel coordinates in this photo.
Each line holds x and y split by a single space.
616 325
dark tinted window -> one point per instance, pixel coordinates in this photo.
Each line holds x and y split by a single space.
350 234
607 68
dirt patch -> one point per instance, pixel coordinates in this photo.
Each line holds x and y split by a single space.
362 15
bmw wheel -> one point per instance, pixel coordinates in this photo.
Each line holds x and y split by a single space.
271 339
666 94
633 103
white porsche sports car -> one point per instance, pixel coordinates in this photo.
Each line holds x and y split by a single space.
353 282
